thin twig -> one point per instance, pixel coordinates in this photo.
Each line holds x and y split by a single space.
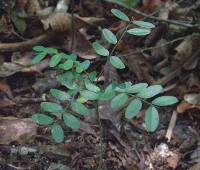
160 46
175 22
24 45
72 35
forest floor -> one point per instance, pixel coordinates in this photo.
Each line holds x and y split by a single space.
168 56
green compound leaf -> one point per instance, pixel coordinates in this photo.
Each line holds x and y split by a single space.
109 36
57 133
150 91
71 121
60 95
90 86
55 60
42 119
136 88
133 108
144 24
67 65
165 100
99 49
139 31
116 62
39 57
51 107
39 48
119 101
79 108
151 119
119 14
89 95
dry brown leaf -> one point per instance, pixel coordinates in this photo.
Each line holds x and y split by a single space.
184 49
32 7
8 69
173 160
62 22
184 106
18 130
4 87
192 98
81 46
58 22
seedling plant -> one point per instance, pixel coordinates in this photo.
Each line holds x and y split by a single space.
80 85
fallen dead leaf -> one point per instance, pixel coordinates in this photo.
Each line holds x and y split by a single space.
81 46
183 106
57 24
173 160
4 87
192 98
18 130
9 68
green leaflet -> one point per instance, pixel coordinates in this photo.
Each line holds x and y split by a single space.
144 24
150 91
165 100
89 95
51 107
133 108
68 80
71 121
119 14
117 62
79 108
39 57
139 31
42 119
119 101
99 49
60 95
109 36
39 48
57 133
136 88
67 65
151 119
55 60
90 86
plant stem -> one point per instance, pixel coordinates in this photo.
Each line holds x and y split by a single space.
115 46
101 138
122 35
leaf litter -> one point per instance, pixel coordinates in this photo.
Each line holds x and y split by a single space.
168 56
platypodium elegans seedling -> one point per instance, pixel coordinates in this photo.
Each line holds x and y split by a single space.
80 87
